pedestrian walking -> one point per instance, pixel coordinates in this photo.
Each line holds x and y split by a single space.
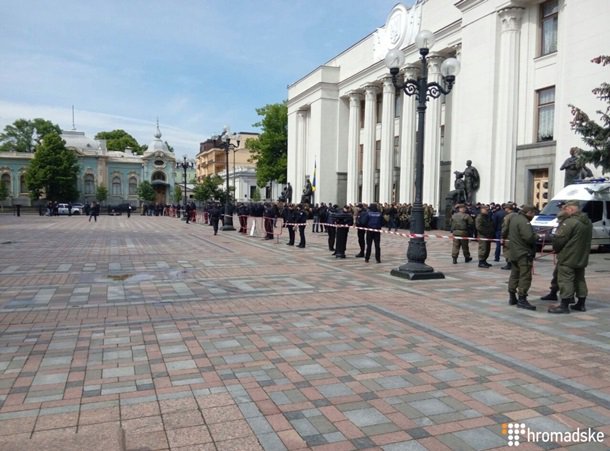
95 211
572 243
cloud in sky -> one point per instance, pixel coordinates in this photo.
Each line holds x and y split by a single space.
195 64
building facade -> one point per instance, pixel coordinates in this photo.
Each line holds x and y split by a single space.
522 63
119 172
211 160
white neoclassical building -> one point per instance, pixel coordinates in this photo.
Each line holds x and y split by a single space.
522 63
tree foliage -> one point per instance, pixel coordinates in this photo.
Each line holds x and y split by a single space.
24 135
101 193
209 189
596 136
146 191
53 170
119 140
177 194
270 150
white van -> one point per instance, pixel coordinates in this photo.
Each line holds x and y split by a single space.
594 198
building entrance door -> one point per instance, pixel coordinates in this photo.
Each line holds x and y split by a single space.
540 189
160 194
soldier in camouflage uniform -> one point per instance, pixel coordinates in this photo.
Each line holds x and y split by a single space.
521 252
461 226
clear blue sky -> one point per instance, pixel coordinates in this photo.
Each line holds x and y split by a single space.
197 65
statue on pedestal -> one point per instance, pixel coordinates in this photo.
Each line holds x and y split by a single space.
574 167
307 192
472 181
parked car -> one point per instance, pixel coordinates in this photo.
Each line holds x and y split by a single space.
78 209
119 209
62 209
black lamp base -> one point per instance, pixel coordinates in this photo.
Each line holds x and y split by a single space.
417 271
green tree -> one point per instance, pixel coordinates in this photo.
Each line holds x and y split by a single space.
270 150
146 192
596 136
119 140
24 135
177 194
101 193
208 189
53 170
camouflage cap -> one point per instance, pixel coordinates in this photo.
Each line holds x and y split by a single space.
571 203
528 209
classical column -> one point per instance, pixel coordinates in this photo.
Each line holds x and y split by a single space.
368 157
432 141
301 151
407 141
386 166
353 146
505 142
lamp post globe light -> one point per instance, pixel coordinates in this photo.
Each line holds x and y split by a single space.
416 268
224 142
185 165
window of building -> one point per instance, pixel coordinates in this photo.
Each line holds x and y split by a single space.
23 186
377 154
116 186
396 151
6 181
549 12
362 114
398 103
89 184
379 107
133 186
360 157
546 113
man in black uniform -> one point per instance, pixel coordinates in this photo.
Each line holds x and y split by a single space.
289 218
301 219
373 220
269 217
332 230
243 211
360 215
344 220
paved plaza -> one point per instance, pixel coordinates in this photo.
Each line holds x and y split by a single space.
147 333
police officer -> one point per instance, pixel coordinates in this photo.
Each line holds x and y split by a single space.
332 229
360 215
572 243
289 219
344 219
373 219
461 226
301 220
269 217
485 229
521 252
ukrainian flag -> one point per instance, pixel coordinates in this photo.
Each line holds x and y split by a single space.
315 166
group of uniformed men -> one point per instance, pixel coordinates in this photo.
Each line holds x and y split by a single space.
571 243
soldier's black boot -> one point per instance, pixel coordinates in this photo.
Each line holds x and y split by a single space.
468 259
564 307
482 264
580 305
508 266
455 260
552 296
512 298
522 303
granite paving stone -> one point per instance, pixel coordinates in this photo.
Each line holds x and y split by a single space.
186 339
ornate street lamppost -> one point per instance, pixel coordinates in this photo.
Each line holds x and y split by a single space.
224 142
185 164
416 268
